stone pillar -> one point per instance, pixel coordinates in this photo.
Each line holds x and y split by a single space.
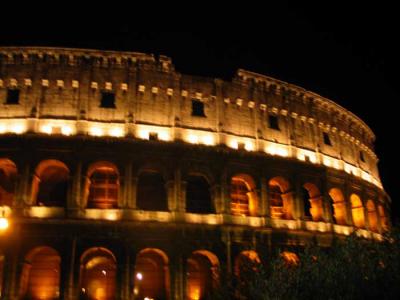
365 210
70 290
298 202
177 276
22 189
179 191
182 196
24 193
171 195
217 198
228 243
127 187
12 268
123 274
255 196
132 290
75 200
289 209
327 208
349 211
83 196
317 208
379 220
225 194
131 198
126 274
219 108
264 201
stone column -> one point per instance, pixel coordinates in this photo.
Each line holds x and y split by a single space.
255 196
217 199
317 208
123 273
132 289
131 200
179 190
365 210
264 201
26 188
177 277
171 195
219 108
75 200
298 202
22 190
228 244
12 268
83 196
349 211
288 205
327 207
70 290
379 224
127 187
182 196
225 194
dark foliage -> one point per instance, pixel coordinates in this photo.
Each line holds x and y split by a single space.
353 268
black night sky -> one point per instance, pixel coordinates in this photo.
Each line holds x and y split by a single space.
346 53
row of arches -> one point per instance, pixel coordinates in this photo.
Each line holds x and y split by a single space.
42 275
102 188
359 213
98 275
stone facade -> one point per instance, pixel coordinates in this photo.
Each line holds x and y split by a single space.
124 114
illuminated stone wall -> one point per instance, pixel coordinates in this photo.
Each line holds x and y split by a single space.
63 88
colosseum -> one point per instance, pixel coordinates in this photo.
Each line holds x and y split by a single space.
121 178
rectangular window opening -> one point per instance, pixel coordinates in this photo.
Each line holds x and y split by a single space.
153 136
12 96
273 122
327 140
107 100
197 108
241 146
362 158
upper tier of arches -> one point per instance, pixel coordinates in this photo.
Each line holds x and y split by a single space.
106 186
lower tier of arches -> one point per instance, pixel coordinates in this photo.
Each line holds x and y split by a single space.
105 261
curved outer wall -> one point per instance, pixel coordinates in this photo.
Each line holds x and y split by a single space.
130 114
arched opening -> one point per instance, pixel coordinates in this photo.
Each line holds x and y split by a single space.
198 196
41 274
50 183
102 186
357 211
245 263
151 278
383 218
339 206
280 198
202 275
8 174
98 274
1 274
372 216
291 259
244 200
312 202
151 192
